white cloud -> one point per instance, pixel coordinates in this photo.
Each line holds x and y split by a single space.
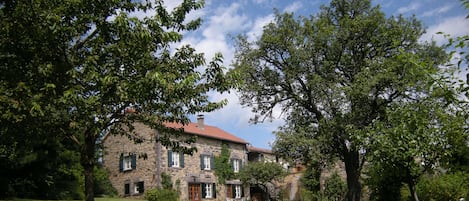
258 27
293 7
411 7
437 11
260 1
454 26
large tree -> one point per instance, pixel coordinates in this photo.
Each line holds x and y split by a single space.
336 72
73 68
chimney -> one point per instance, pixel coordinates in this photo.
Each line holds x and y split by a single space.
200 121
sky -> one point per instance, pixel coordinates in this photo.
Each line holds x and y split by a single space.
223 20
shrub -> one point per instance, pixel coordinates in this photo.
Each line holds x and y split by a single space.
452 186
159 194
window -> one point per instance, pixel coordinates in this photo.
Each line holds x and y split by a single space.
236 165
127 163
208 190
206 162
175 159
127 189
234 191
139 187
237 191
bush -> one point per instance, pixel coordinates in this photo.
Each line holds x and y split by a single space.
159 194
102 185
451 186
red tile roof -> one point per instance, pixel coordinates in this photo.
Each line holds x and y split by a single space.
257 149
207 131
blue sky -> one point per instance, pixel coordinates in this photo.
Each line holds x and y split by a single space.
224 19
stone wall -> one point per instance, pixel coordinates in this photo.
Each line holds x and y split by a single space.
146 168
192 173
115 145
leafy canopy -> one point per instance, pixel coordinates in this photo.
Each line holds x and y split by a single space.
71 69
335 73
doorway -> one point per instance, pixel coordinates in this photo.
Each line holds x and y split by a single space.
194 192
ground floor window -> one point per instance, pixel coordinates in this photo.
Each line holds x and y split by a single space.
234 191
208 190
139 187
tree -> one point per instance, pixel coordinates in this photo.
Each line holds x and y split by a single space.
337 71
266 175
73 69
416 138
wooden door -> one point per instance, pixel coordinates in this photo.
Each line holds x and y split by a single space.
194 192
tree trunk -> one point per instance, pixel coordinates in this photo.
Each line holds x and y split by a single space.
413 193
88 162
352 169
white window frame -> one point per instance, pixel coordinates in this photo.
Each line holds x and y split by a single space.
127 163
208 190
236 163
207 162
238 191
175 159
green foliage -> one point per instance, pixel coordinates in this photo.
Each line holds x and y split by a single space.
166 193
311 178
103 187
450 186
335 73
335 188
71 68
262 173
385 181
223 168
161 195
166 181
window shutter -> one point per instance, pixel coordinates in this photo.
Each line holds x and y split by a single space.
233 191
142 187
134 161
170 158
126 189
240 164
181 159
203 190
212 162
121 163
232 164
214 191
229 191
201 162
242 191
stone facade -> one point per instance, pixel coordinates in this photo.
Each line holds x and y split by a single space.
151 159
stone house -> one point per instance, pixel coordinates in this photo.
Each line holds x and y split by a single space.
135 167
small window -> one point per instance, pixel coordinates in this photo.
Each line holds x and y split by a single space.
208 190
175 159
206 162
127 163
234 191
139 187
236 165
238 191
